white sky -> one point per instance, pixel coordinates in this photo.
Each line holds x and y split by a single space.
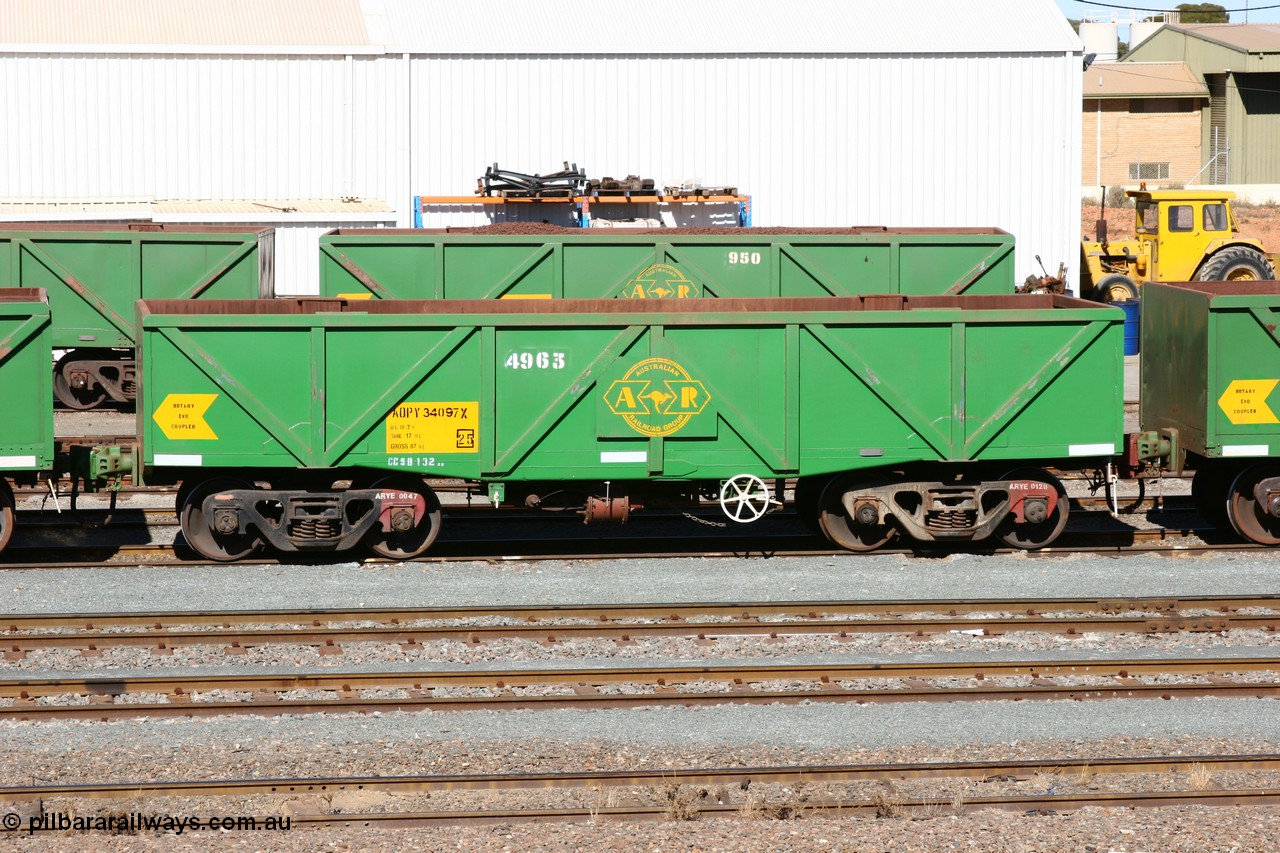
1242 12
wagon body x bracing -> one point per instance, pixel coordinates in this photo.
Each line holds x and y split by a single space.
913 413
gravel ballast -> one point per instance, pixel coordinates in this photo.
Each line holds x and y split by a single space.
438 742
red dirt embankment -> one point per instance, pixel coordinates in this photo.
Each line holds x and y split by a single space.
1259 221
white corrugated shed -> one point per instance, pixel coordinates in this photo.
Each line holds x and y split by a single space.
918 112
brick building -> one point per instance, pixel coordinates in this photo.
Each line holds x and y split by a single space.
1141 122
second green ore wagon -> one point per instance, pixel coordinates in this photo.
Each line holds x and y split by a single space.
1210 371
310 424
573 263
94 274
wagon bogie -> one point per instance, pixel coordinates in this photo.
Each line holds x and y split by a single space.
1026 507
228 518
1253 503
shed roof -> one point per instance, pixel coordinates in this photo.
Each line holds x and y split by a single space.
183 22
729 27
1142 80
549 27
1246 38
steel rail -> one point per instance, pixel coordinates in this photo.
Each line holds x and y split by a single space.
330 638
667 611
661 676
1031 804
180 705
984 771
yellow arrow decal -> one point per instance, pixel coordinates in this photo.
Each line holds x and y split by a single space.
1245 401
181 416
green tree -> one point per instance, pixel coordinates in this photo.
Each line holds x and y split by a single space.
1203 13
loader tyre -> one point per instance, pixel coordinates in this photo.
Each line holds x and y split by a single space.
1236 263
1115 288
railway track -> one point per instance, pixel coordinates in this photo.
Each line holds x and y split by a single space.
163 631
322 691
834 790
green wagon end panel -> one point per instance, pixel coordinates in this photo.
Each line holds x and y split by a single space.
94 274
26 437
705 389
671 263
1210 361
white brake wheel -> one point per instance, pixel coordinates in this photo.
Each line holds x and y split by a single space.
745 498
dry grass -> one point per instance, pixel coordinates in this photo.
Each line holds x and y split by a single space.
888 802
791 804
1199 778
683 802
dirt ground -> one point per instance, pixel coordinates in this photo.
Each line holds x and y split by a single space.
1259 221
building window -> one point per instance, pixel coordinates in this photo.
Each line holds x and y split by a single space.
1162 105
1148 171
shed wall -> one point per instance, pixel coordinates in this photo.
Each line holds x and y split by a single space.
198 127
900 140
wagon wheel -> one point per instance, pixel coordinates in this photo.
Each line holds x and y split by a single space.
6 514
406 544
78 399
1247 517
745 498
1032 535
1209 488
198 529
849 533
808 494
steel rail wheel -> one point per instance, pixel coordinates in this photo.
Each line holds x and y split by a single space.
1247 517
78 399
1210 487
6 513
1032 535
807 497
404 545
199 530
849 533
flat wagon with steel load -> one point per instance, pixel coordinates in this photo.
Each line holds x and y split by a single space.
1210 358
95 273
310 424
549 262
26 432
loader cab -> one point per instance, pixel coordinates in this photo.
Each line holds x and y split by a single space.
1179 228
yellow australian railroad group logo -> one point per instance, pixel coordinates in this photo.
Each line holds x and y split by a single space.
659 281
657 397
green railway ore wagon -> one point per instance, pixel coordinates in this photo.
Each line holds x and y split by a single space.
665 263
26 434
896 413
1210 358
95 273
